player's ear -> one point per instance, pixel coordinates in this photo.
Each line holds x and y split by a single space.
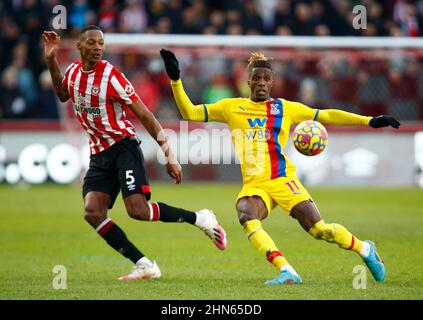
78 45
249 78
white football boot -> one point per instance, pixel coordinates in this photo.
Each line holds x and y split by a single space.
206 221
142 271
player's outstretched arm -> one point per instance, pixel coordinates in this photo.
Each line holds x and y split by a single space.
51 42
339 117
154 128
188 110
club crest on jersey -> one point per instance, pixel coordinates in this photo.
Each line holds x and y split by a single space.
274 109
129 89
95 90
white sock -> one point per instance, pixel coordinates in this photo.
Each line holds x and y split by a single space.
145 261
365 250
289 268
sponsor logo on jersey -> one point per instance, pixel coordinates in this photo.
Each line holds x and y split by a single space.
256 122
260 134
81 106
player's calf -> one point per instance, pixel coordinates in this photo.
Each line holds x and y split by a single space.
137 207
336 233
117 239
139 213
322 231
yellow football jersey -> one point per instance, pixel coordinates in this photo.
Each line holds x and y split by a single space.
260 129
260 132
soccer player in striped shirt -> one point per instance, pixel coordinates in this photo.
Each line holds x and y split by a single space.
260 129
99 91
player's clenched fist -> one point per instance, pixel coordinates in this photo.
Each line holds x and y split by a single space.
51 42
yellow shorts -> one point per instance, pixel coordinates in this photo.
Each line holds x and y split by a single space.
285 192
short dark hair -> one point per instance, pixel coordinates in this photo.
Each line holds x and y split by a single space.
88 28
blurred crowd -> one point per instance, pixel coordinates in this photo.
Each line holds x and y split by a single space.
25 86
368 82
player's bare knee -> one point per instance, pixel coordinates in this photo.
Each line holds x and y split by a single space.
137 207
243 214
93 215
244 217
247 209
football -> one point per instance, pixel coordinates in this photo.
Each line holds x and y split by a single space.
310 137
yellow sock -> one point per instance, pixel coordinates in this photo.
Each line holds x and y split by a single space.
336 233
264 243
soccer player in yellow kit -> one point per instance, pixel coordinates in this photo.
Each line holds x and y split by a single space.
260 128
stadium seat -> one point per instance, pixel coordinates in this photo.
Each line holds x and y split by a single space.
344 88
373 108
374 88
403 109
403 88
420 85
309 67
373 66
285 87
349 106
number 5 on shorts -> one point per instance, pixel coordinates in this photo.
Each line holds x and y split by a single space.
130 180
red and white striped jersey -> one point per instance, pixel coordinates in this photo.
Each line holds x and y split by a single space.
98 97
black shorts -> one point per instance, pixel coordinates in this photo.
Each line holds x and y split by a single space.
118 168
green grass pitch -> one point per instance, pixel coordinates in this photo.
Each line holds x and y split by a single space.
43 226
